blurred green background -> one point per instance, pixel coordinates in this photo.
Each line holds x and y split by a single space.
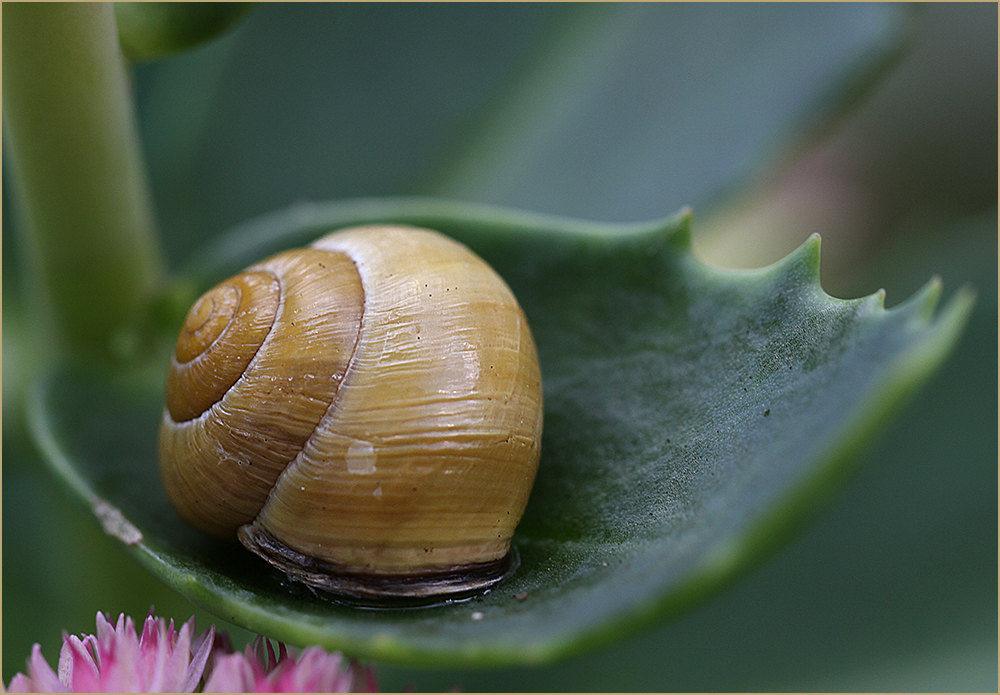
589 111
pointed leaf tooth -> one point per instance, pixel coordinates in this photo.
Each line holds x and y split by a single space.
801 266
809 255
924 301
872 304
677 228
955 314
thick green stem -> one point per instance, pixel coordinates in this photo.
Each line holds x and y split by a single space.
89 231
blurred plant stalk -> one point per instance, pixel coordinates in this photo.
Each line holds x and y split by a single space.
818 194
85 217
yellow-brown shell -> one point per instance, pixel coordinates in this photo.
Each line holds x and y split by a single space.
365 413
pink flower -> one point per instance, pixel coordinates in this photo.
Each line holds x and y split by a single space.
260 670
119 660
165 660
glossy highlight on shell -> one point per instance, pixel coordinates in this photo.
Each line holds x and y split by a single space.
364 413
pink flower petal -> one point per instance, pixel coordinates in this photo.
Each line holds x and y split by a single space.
77 665
197 666
317 671
120 660
103 627
232 673
363 679
158 657
40 679
20 683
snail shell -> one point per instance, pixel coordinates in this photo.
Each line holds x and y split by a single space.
364 413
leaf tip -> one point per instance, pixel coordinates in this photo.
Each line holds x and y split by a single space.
922 307
959 307
922 304
803 262
810 252
928 296
879 298
677 228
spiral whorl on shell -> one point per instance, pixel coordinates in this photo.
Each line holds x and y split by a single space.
364 413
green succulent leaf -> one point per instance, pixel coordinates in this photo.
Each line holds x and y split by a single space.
694 417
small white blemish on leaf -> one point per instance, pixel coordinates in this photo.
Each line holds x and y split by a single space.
115 524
